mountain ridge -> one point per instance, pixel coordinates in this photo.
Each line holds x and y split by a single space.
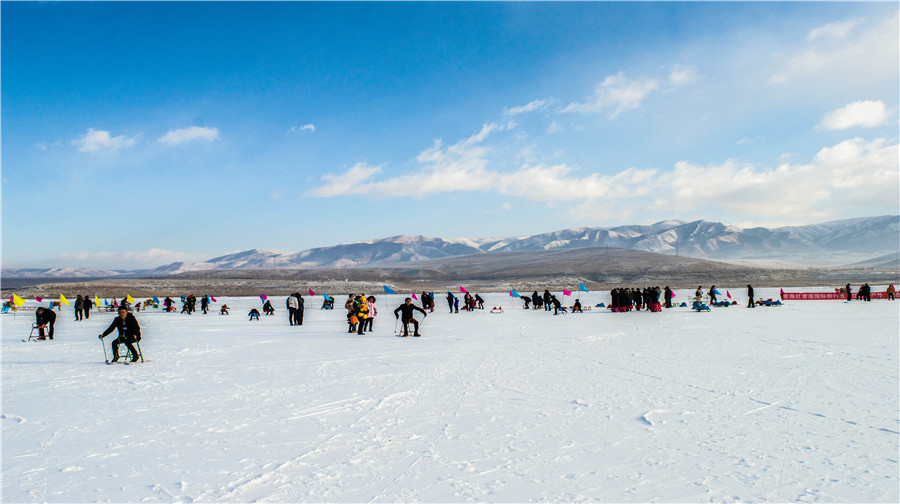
837 242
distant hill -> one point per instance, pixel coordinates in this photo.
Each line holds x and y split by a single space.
818 244
830 243
600 268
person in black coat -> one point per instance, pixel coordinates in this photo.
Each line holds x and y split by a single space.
45 318
88 304
450 299
129 333
79 308
407 309
750 303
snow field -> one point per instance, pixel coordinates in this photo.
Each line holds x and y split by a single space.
791 403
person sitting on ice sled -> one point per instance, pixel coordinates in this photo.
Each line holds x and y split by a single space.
254 313
129 333
44 319
407 308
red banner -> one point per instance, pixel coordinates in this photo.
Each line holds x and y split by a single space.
805 296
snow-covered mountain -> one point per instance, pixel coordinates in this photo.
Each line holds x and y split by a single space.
61 273
829 243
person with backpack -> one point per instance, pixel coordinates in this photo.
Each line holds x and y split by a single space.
407 310
362 313
79 307
129 333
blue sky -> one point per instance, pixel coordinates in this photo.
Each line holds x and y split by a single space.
138 134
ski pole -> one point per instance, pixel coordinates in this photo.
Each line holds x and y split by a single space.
105 357
396 321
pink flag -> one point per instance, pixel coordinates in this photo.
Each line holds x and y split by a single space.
414 296
213 299
728 294
311 293
38 299
263 297
462 289
567 292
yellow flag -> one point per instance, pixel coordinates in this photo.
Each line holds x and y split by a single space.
129 298
96 301
18 301
63 300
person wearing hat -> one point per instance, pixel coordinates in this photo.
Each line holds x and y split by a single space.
129 333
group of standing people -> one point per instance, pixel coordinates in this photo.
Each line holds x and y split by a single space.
361 313
83 305
626 299
294 304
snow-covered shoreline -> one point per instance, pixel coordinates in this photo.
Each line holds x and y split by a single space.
791 403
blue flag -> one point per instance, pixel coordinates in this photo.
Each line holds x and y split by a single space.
582 287
155 300
717 292
513 293
327 297
388 290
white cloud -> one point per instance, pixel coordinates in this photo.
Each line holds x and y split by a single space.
300 129
865 114
95 141
835 30
618 93
530 107
180 136
682 75
852 173
352 181
831 55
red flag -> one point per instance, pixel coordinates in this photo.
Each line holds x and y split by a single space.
38 299
213 299
414 296
728 294
263 297
567 292
311 293
462 289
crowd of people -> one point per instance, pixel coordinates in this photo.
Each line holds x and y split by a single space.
362 310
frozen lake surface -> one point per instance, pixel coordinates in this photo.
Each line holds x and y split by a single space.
791 403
